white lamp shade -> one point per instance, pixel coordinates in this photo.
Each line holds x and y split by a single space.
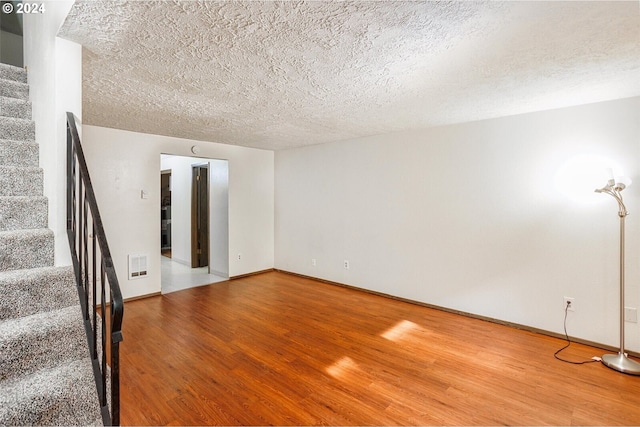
624 180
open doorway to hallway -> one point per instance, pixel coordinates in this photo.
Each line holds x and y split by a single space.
195 221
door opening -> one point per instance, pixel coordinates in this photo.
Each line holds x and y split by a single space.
212 191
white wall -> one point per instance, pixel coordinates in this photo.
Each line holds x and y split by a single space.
123 163
219 217
180 206
473 217
55 83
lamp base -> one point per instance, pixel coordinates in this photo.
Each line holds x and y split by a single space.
621 363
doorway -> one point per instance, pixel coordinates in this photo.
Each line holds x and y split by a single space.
200 216
194 232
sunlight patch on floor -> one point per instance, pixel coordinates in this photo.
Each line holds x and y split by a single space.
342 367
399 330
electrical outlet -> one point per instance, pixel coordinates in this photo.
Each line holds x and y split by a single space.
239 257
631 314
346 264
313 262
571 302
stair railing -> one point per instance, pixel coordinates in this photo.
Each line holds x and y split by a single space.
95 273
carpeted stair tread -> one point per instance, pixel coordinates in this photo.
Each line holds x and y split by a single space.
64 395
46 375
23 213
13 107
21 249
18 153
17 129
42 340
14 89
10 72
36 290
21 181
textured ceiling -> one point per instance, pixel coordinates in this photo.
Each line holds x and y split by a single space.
275 75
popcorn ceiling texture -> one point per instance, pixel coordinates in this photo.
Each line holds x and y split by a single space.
276 75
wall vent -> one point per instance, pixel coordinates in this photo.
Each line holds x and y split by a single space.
138 266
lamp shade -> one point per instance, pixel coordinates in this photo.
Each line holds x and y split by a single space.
624 180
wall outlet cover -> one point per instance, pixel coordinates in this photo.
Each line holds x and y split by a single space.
566 300
631 314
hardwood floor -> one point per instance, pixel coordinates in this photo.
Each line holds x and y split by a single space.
276 349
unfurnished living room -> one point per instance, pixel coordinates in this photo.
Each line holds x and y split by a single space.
320 212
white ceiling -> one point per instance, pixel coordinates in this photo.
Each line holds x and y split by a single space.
275 75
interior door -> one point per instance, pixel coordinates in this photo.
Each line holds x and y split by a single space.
200 216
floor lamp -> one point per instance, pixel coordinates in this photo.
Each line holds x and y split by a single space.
620 362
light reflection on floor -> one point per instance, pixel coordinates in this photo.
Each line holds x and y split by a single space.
342 367
399 330
346 366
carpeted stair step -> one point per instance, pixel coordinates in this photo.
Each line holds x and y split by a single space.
21 249
14 89
23 213
17 129
20 181
19 153
41 340
46 375
12 107
36 290
64 395
10 72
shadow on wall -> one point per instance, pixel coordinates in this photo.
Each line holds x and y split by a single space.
11 50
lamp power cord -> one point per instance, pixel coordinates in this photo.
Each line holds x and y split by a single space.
556 354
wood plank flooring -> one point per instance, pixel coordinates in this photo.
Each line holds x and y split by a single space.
276 349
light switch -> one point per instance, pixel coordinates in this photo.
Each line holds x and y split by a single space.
144 194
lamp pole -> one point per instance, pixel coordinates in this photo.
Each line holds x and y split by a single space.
620 362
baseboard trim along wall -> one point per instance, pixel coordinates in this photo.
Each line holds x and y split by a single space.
463 313
153 294
241 276
145 296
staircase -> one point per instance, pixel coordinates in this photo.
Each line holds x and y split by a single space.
46 375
